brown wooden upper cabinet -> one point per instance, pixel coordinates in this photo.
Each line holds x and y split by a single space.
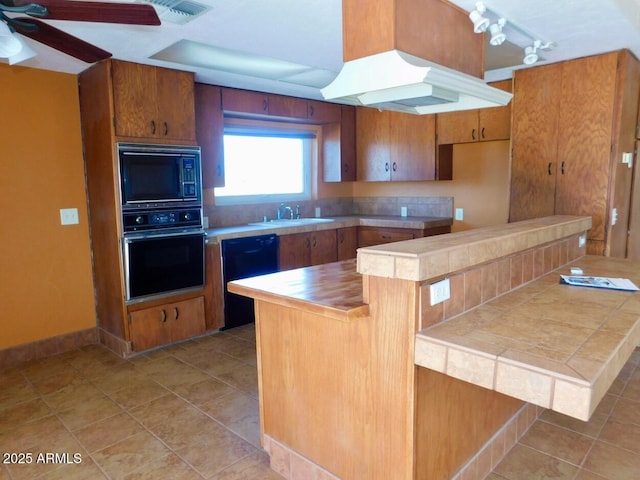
394 146
245 102
210 134
153 102
339 145
480 125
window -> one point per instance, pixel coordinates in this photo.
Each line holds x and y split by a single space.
266 162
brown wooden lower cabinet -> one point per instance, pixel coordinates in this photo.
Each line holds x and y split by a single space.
369 236
347 238
167 323
299 250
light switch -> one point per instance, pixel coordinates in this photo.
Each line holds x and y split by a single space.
459 213
69 216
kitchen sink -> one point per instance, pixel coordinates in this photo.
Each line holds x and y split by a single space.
296 222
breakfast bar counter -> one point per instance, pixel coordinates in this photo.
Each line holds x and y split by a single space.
361 377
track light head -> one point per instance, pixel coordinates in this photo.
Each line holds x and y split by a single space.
530 55
497 35
480 22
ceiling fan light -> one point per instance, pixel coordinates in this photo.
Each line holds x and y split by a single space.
9 43
497 35
530 56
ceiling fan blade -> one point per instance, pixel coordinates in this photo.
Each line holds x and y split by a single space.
55 38
104 12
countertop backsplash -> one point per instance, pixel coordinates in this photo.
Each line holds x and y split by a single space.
230 215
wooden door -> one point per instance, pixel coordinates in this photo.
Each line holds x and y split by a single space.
149 328
187 319
534 131
175 104
287 107
495 123
372 145
134 98
347 239
457 127
584 144
323 112
413 148
294 251
323 247
210 134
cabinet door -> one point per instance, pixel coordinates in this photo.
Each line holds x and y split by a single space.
372 145
295 251
458 127
149 328
243 101
323 246
534 133
584 143
323 112
347 239
413 149
287 107
495 123
175 104
210 134
134 98
187 319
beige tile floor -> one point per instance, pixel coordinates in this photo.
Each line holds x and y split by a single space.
190 411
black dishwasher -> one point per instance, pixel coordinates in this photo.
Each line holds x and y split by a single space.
242 258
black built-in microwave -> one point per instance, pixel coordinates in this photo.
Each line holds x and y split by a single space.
159 176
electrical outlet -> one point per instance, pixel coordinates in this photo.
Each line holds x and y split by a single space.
627 158
69 216
459 213
403 211
440 291
582 240
614 216
318 212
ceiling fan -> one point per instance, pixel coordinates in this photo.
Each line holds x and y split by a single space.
74 10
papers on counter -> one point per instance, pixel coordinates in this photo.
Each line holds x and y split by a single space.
599 282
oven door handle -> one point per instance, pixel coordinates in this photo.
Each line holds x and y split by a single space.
129 238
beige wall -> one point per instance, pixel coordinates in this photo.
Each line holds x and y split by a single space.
480 185
46 284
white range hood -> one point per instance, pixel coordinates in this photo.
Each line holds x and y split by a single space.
396 80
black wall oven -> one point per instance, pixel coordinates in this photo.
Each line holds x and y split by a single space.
162 264
163 243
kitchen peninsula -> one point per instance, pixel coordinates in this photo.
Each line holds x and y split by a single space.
360 377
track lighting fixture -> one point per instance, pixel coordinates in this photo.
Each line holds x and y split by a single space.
480 23
485 18
497 35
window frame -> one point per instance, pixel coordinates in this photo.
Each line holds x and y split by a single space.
310 132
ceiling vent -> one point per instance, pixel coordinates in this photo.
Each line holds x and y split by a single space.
178 11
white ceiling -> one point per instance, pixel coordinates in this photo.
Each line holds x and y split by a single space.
309 33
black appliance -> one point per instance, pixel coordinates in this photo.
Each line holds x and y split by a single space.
242 258
156 265
159 176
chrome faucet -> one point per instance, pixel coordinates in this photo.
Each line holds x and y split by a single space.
282 211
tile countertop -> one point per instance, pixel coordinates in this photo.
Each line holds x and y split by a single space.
553 345
215 235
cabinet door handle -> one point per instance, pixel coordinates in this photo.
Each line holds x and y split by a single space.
395 166
219 168
386 237
176 312
166 128
311 112
315 242
549 168
307 242
482 132
473 134
386 166
265 105
562 168
164 316
153 127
